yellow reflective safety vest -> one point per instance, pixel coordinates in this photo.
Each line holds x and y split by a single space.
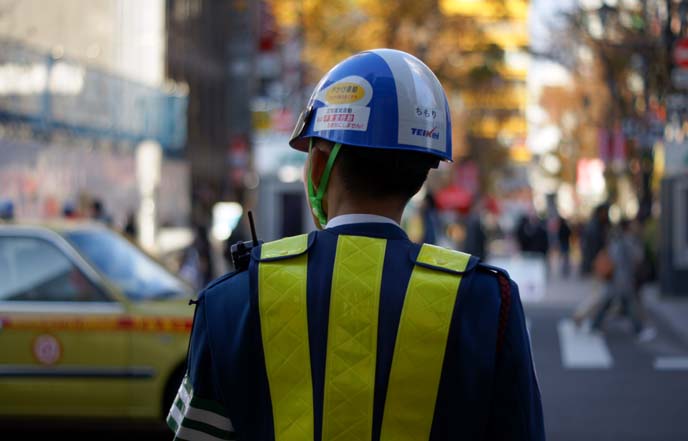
356 333
352 344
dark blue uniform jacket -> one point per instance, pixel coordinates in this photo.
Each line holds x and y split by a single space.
482 395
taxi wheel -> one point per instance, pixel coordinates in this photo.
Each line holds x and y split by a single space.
171 388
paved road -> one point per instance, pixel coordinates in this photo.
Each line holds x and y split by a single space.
609 387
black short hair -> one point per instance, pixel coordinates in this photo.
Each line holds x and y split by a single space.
383 173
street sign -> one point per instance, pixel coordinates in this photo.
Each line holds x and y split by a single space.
680 53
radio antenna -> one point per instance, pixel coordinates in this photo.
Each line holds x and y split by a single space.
254 236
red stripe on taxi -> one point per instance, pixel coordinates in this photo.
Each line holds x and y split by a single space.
126 323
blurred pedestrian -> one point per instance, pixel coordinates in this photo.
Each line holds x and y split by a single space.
69 210
564 239
197 263
532 235
240 233
99 213
190 268
649 231
476 239
626 254
431 223
130 230
594 237
646 271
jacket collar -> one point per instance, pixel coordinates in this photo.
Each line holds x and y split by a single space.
345 219
383 230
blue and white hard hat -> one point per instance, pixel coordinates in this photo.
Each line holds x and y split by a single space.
381 98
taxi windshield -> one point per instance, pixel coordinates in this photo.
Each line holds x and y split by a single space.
136 274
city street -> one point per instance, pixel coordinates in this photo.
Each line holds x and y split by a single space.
608 387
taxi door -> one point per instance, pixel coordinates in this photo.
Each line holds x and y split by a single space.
64 349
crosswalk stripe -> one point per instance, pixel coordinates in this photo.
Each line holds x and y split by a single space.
671 363
580 349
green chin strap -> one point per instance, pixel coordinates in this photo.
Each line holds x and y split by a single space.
316 198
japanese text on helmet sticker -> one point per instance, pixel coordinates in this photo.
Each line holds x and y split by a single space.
426 113
352 90
423 126
342 118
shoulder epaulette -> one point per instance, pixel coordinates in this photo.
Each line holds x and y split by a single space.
444 259
285 248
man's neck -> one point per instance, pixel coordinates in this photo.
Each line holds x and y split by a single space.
378 208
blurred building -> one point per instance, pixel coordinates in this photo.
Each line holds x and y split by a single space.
279 98
497 111
490 125
243 69
82 85
123 37
212 47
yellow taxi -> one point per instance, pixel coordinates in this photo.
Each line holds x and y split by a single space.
90 326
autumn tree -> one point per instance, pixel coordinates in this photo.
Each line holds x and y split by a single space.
622 48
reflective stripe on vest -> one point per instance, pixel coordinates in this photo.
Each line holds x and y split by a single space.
420 346
284 329
352 339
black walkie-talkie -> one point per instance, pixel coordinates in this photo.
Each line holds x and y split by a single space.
241 251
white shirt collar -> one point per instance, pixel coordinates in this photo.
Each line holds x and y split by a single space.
347 219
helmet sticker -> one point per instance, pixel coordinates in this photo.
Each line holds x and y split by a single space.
352 90
422 116
342 118
346 102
